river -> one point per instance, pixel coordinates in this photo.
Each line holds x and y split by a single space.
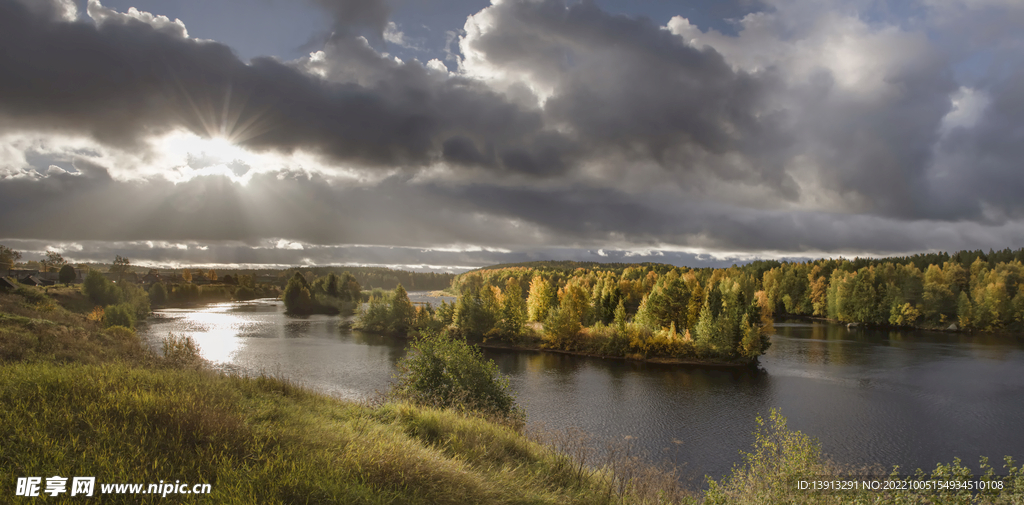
910 398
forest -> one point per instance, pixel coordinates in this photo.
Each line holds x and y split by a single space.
970 290
663 312
325 295
638 314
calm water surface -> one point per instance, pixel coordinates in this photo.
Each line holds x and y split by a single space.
908 398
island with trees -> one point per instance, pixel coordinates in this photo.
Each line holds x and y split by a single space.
647 312
720 316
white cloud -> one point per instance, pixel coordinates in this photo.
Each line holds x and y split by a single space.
968 106
395 36
437 66
102 15
804 39
285 244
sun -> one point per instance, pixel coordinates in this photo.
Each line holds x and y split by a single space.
193 155
218 150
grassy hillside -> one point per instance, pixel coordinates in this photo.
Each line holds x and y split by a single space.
261 440
81 400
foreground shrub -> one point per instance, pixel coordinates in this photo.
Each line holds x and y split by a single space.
446 372
781 458
181 351
121 314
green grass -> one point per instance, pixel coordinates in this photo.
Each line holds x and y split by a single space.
77 399
261 440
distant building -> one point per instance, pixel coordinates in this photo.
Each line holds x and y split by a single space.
127 277
35 280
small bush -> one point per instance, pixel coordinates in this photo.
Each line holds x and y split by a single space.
181 351
121 314
445 372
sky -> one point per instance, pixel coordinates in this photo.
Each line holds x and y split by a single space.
450 135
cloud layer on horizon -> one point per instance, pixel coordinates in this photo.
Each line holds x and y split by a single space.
816 129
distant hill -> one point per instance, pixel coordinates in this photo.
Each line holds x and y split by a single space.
569 266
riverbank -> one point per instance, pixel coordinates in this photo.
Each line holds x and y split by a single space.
533 342
537 347
893 327
83 400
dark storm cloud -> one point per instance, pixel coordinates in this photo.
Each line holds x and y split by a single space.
882 147
983 173
122 82
625 84
588 217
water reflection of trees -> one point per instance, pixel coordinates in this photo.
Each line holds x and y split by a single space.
826 343
396 347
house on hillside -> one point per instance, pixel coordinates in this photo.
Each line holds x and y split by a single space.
6 284
35 280
151 278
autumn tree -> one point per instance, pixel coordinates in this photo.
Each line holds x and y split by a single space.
513 310
53 261
8 257
120 267
402 312
540 299
818 289
939 300
563 325
186 275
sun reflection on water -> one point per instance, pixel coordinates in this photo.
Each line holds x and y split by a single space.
218 331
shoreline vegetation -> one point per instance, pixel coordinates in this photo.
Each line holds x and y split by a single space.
84 396
721 317
586 315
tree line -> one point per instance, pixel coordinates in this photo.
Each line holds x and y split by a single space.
654 311
983 295
380 277
325 295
